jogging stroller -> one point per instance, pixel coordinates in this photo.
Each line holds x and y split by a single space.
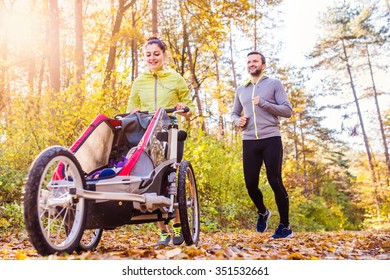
121 170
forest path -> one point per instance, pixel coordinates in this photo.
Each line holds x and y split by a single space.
125 243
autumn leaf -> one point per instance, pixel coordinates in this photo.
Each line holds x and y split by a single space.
20 255
295 256
124 243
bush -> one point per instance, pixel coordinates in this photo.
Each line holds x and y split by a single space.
11 186
11 217
11 182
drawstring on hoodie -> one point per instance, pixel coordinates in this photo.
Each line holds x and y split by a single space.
158 80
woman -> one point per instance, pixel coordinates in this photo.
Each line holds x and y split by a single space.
160 88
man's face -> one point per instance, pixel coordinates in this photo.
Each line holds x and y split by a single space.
254 65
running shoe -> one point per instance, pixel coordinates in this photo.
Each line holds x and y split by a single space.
178 238
282 232
164 238
262 221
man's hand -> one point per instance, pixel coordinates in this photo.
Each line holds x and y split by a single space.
242 121
256 100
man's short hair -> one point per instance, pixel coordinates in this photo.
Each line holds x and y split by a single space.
259 53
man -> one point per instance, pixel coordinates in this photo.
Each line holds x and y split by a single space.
258 104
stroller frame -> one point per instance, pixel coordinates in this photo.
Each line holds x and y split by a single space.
69 201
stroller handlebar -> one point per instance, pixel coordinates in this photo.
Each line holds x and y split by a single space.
169 110
174 110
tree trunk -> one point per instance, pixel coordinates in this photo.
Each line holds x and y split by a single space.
134 49
296 149
368 152
221 124
295 139
54 39
112 18
232 61
31 76
79 48
304 161
384 140
233 64
109 81
194 82
4 84
255 27
154 18
41 76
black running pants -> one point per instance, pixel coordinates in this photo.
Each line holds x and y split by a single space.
269 151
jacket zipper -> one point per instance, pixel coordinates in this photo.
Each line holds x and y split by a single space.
155 91
253 105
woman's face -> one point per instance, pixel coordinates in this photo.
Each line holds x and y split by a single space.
154 57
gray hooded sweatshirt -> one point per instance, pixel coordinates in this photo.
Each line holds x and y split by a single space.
263 119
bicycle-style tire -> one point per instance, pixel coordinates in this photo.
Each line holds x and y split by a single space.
90 240
54 216
187 196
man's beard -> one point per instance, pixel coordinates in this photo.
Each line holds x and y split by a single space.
256 73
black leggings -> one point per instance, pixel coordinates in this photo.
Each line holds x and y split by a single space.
269 150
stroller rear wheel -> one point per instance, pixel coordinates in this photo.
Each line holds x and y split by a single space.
90 240
54 216
187 196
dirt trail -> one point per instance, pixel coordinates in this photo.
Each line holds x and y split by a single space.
125 243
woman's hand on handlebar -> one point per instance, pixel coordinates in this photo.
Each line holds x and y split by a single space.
179 106
182 106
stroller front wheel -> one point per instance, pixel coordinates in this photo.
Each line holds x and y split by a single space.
54 217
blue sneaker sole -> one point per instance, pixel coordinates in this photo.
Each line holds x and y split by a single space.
279 237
